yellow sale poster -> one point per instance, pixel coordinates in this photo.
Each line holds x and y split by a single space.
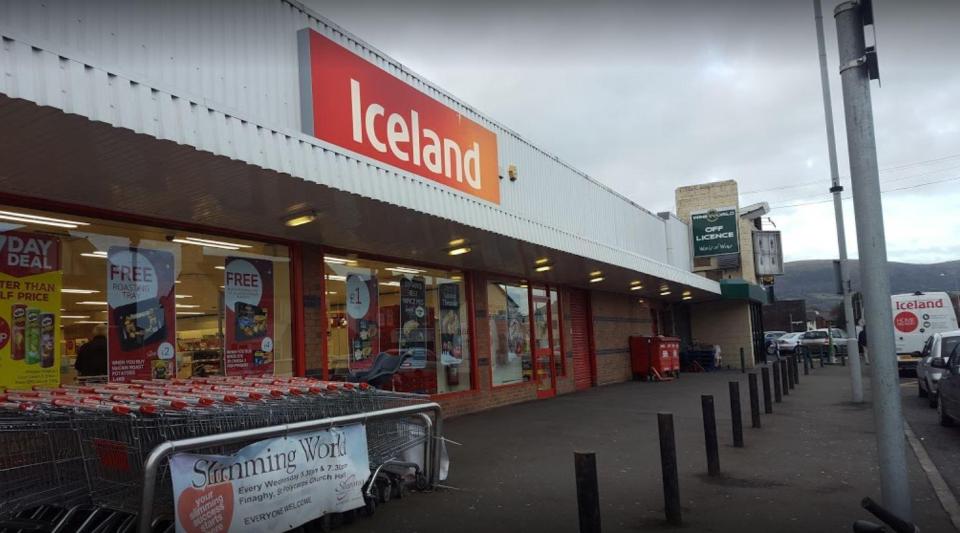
30 283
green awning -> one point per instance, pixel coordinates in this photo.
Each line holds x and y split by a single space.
739 289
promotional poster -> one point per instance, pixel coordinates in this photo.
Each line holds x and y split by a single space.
30 284
273 485
363 329
451 341
141 313
248 297
413 321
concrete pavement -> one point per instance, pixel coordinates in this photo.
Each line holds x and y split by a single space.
805 470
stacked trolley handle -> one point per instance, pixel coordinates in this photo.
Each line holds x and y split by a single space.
73 457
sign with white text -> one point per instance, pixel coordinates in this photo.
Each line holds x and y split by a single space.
141 313
248 297
350 102
273 485
715 232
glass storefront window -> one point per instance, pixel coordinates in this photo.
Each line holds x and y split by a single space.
558 360
377 312
509 314
152 303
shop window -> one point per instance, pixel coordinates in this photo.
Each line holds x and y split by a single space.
509 314
152 303
377 312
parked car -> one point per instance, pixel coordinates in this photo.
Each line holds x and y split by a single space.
823 340
948 389
770 340
939 347
789 342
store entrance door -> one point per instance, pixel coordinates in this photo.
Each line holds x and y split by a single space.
543 343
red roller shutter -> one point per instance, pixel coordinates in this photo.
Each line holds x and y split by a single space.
582 369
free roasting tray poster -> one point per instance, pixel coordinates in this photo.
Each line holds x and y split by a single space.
248 297
141 313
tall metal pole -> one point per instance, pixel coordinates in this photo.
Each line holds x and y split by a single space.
871 242
853 352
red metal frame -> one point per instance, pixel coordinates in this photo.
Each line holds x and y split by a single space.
293 249
325 320
535 352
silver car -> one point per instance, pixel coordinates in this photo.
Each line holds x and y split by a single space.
937 351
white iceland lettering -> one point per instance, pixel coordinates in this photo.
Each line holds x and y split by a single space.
408 142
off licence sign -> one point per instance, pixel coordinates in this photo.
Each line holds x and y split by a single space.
715 232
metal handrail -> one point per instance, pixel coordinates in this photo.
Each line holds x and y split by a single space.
150 466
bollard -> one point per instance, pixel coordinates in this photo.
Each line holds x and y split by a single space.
795 367
710 435
754 400
668 466
785 377
588 495
806 366
743 362
736 414
767 402
778 395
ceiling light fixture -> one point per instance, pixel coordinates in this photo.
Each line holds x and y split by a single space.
75 316
194 313
95 255
597 279
300 219
220 267
595 273
687 297
542 261
91 302
460 250
79 291
334 277
184 296
665 293
196 241
44 221
457 242
636 288
336 260
405 270
187 306
543 268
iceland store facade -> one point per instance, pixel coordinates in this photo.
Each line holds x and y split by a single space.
247 188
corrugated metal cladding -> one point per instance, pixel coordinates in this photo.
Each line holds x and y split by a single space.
223 77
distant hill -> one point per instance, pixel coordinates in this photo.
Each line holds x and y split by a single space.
814 280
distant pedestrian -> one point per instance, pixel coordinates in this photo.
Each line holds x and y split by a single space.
92 356
862 341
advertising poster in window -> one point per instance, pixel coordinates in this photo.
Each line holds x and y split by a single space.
363 330
413 321
451 340
248 298
30 283
141 313
273 485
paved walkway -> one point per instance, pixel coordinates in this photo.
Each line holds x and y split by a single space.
805 470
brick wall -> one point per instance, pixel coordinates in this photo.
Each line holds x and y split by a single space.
615 318
727 323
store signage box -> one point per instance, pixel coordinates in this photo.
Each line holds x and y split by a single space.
351 103
715 232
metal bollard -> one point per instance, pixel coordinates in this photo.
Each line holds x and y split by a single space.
806 366
777 393
754 399
710 435
785 377
767 401
743 362
588 494
668 466
795 366
736 414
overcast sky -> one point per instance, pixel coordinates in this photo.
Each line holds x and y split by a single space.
648 96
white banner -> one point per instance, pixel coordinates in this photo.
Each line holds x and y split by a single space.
271 485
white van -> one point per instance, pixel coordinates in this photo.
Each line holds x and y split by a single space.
916 317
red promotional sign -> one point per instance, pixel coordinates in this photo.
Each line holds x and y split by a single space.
248 297
352 103
141 313
906 321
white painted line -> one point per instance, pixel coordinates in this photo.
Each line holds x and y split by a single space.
940 487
